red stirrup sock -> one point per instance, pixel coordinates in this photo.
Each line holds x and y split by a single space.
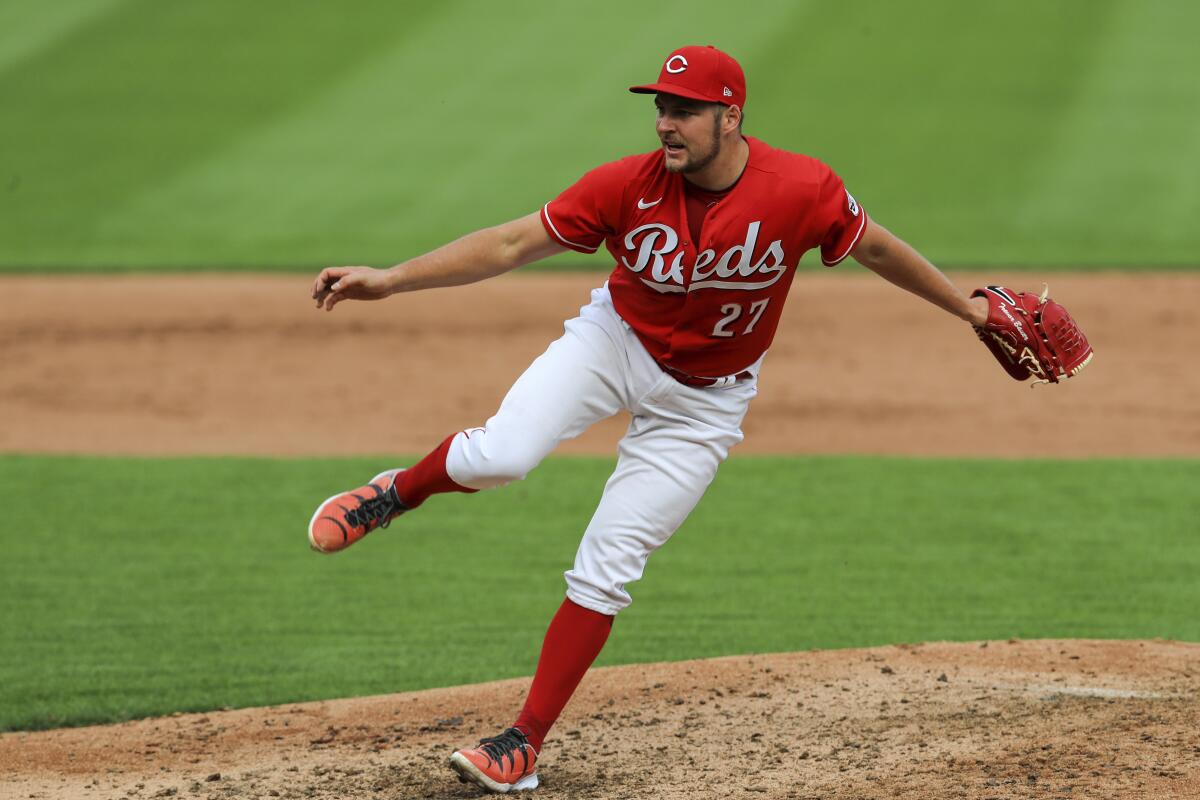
574 639
428 476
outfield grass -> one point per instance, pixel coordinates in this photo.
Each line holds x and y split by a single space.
145 134
132 587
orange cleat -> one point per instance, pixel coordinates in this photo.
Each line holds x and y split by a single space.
347 517
501 764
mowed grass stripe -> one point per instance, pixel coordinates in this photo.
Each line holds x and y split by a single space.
156 135
144 91
133 587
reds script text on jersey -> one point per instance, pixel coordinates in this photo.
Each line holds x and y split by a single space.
707 307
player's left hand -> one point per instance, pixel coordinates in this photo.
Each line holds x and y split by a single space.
1031 335
978 310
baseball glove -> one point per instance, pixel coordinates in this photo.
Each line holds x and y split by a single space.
1032 336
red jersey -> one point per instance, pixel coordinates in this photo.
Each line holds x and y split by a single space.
709 307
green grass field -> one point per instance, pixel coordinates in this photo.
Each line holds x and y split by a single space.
143 134
132 587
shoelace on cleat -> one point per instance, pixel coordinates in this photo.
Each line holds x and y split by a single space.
377 511
499 747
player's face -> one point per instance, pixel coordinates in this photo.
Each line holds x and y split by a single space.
690 131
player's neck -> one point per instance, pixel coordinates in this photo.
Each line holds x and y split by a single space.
725 169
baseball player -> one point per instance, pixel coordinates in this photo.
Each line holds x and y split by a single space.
706 232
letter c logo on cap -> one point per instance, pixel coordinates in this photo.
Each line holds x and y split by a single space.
673 67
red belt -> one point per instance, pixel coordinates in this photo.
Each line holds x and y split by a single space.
694 380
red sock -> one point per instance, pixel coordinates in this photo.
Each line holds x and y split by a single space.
428 476
573 641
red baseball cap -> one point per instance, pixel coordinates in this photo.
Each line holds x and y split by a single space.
700 73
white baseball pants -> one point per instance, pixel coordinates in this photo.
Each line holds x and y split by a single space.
677 438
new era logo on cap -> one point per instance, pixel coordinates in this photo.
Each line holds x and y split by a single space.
700 73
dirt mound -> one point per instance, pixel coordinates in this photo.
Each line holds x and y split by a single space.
225 364
976 720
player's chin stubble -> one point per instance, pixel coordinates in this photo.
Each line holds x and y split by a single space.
690 164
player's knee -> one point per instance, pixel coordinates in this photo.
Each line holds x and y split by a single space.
504 468
489 458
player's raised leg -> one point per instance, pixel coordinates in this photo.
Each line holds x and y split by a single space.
575 383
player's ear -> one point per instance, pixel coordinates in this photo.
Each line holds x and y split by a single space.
732 120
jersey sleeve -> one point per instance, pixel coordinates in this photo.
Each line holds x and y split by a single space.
587 211
841 217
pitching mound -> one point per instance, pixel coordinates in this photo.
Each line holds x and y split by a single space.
977 720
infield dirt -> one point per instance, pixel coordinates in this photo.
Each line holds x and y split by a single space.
227 364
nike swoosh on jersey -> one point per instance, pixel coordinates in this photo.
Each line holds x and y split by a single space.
642 204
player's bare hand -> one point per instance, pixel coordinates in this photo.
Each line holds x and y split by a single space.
336 284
